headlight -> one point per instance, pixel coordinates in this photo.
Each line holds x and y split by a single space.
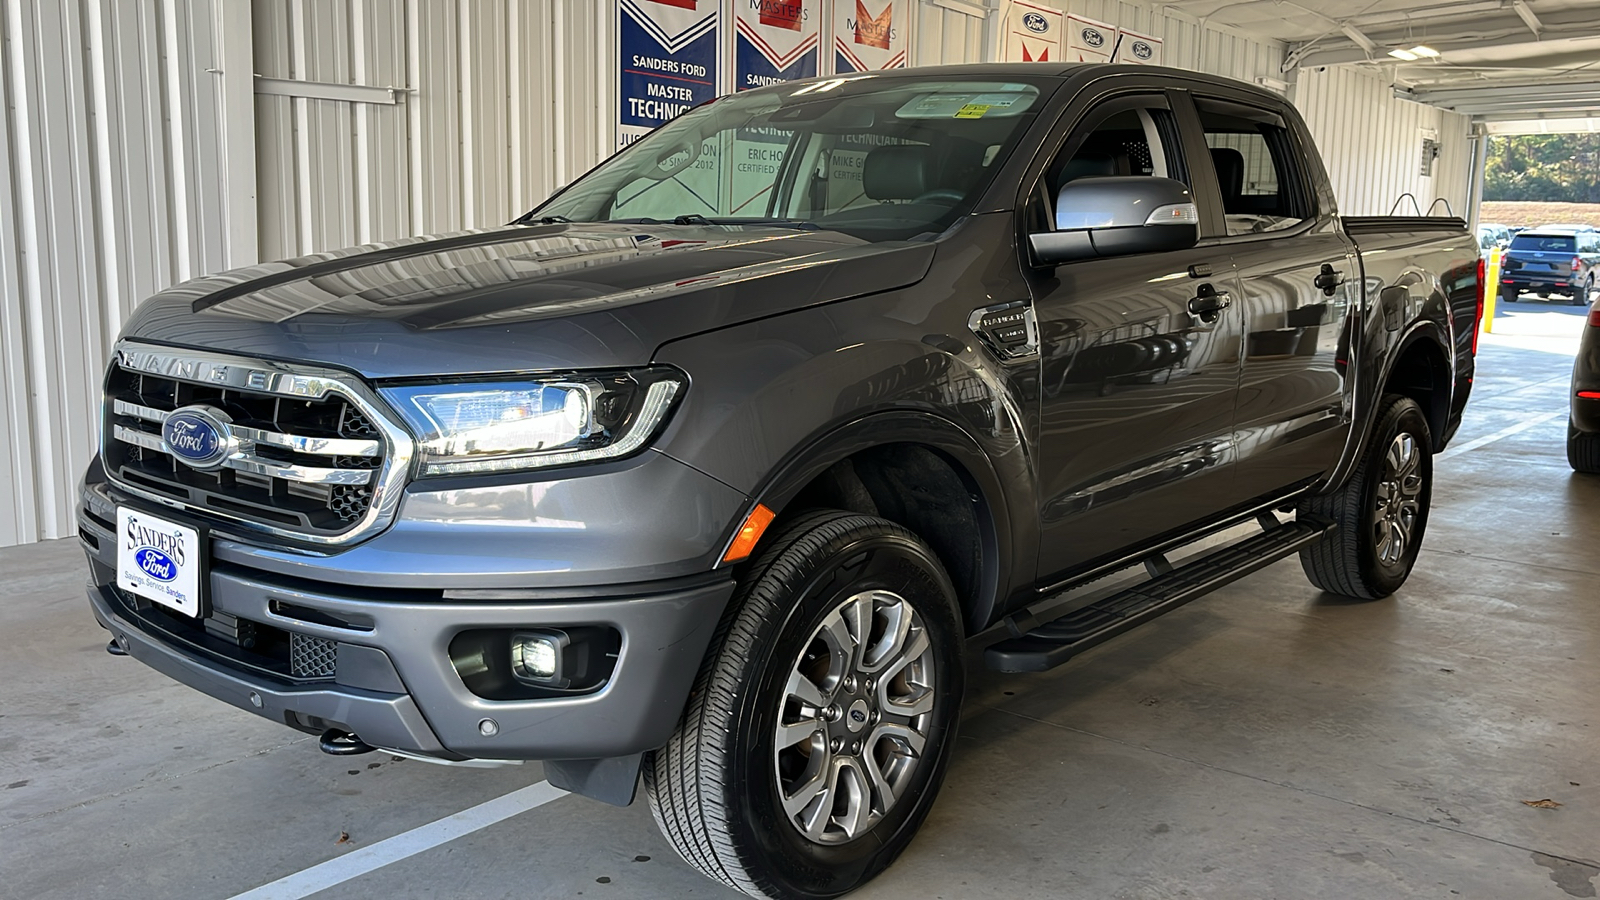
505 426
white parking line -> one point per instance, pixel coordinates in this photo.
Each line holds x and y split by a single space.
1487 439
408 843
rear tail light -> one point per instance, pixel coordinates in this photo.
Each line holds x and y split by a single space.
1594 317
1477 318
1577 263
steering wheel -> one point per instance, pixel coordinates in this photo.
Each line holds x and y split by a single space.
947 194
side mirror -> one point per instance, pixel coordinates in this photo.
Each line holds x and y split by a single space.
1117 216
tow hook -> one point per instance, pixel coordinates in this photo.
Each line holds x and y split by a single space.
342 743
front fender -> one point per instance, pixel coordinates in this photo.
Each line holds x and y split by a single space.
773 404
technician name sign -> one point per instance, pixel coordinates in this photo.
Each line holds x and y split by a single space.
668 52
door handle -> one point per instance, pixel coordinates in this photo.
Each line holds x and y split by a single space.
1328 279
1208 303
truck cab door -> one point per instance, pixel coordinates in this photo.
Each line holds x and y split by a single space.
1297 274
1139 357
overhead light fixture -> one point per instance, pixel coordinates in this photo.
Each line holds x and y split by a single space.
1420 51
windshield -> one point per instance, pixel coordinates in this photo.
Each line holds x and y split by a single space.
1549 243
876 157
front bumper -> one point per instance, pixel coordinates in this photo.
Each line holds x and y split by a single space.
394 684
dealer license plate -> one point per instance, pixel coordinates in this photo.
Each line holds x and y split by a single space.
159 560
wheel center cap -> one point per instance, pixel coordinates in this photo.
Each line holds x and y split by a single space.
856 717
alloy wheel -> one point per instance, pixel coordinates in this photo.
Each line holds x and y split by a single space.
1398 503
854 718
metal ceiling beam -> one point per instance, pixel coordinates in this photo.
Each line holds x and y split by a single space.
1447 96
1485 32
1361 40
1528 18
1553 125
1525 110
1424 15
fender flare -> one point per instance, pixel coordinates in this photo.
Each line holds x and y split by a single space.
998 531
1366 412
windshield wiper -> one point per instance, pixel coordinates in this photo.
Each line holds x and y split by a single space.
701 220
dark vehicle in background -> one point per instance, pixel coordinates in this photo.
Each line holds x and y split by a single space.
1553 262
706 474
1583 427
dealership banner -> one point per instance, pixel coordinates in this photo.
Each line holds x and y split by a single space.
1136 48
668 55
1033 33
1089 41
775 41
869 35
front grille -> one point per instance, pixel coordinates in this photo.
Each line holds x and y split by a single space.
312 657
303 465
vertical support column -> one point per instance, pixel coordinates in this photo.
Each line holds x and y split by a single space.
236 68
1480 162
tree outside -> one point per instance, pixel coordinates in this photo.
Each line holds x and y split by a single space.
1544 167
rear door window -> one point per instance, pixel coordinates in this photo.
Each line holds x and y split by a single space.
1252 151
1544 243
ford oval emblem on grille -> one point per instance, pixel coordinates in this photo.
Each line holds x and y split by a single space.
198 435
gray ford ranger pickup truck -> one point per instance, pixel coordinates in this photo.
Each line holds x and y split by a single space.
714 472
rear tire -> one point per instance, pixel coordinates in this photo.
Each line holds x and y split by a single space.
1583 450
1382 510
820 725
1588 291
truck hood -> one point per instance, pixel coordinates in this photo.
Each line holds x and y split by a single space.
519 298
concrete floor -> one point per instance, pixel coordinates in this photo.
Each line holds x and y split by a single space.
1265 742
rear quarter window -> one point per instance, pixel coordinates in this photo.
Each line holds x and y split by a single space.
1544 243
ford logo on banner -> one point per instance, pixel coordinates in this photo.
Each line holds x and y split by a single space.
1093 37
156 564
1035 23
198 435
1143 50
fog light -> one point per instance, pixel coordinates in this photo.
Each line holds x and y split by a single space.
536 657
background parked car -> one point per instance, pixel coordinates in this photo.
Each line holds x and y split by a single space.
1492 235
1551 261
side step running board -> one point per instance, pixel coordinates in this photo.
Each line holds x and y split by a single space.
1045 646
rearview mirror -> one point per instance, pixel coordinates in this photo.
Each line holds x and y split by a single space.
1117 216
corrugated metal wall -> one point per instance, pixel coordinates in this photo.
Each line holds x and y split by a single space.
1372 142
110 192
137 143
1187 43
503 101
949 32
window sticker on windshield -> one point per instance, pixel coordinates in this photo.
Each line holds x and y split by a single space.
967 105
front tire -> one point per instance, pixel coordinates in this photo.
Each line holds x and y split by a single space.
820 725
1382 510
1583 450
